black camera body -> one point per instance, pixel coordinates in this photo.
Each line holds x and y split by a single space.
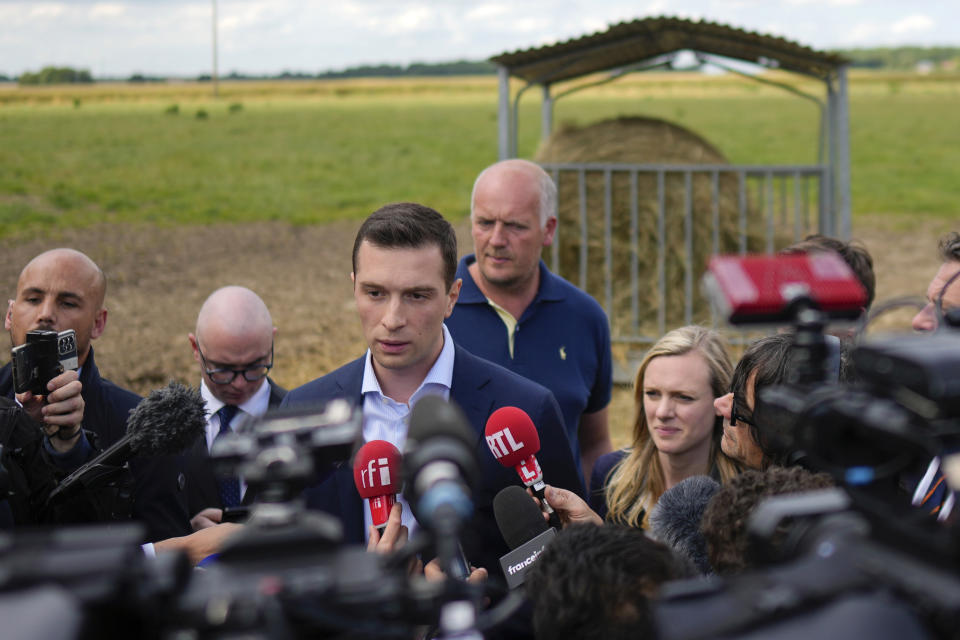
44 356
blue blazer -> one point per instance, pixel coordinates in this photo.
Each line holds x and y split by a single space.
479 387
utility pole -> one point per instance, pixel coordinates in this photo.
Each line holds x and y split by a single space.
214 76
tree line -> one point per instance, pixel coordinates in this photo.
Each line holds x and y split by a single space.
56 75
903 58
891 58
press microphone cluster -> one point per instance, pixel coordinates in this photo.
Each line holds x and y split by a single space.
436 474
514 442
165 422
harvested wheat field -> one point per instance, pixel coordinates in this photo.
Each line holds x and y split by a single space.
159 276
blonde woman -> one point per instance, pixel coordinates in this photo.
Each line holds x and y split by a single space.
676 429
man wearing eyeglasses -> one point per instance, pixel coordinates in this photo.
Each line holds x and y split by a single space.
943 294
233 345
765 363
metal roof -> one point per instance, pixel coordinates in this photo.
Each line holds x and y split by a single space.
631 42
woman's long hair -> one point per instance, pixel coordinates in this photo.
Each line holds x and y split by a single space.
636 483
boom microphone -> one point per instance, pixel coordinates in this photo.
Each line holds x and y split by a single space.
675 519
523 529
376 472
165 422
514 442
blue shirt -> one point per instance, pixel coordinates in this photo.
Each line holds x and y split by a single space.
561 341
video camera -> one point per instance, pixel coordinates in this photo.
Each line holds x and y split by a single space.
43 356
857 561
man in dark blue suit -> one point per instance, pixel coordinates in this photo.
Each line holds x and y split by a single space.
233 346
404 261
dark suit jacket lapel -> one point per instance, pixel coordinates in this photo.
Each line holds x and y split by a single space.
276 394
350 382
466 389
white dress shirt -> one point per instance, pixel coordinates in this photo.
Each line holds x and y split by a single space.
256 406
386 419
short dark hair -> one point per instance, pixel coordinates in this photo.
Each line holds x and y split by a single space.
724 524
597 582
949 247
408 225
771 359
853 253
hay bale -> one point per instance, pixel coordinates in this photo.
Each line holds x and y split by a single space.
640 140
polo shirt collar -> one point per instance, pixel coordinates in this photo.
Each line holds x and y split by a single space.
549 288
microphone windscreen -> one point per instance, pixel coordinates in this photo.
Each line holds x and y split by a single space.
675 519
167 421
376 469
511 436
432 416
518 516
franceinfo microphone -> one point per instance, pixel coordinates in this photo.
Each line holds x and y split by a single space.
376 472
523 529
514 442
165 422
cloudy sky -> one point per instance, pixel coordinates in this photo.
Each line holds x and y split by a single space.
120 37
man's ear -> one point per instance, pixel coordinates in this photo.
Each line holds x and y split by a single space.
353 278
549 230
99 324
7 318
193 345
453 296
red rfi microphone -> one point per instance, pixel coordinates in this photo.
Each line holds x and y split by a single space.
376 472
514 442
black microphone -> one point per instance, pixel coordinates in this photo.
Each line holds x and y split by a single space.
675 519
524 530
440 471
165 422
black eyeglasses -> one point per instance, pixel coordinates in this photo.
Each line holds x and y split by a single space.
251 373
737 412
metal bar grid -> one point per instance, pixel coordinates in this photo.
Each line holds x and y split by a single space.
806 169
607 243
770 187
584 232
688 247
742 210
555 247
715 211
771 227
634 253
661 254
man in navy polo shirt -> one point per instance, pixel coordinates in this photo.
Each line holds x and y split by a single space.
513 311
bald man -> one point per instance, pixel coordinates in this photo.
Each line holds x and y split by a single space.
513 311
233 345
64 289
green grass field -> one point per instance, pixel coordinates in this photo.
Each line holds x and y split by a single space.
313 152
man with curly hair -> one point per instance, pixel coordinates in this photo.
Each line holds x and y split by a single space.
597 582
724 524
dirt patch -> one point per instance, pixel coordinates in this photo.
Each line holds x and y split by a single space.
159 277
